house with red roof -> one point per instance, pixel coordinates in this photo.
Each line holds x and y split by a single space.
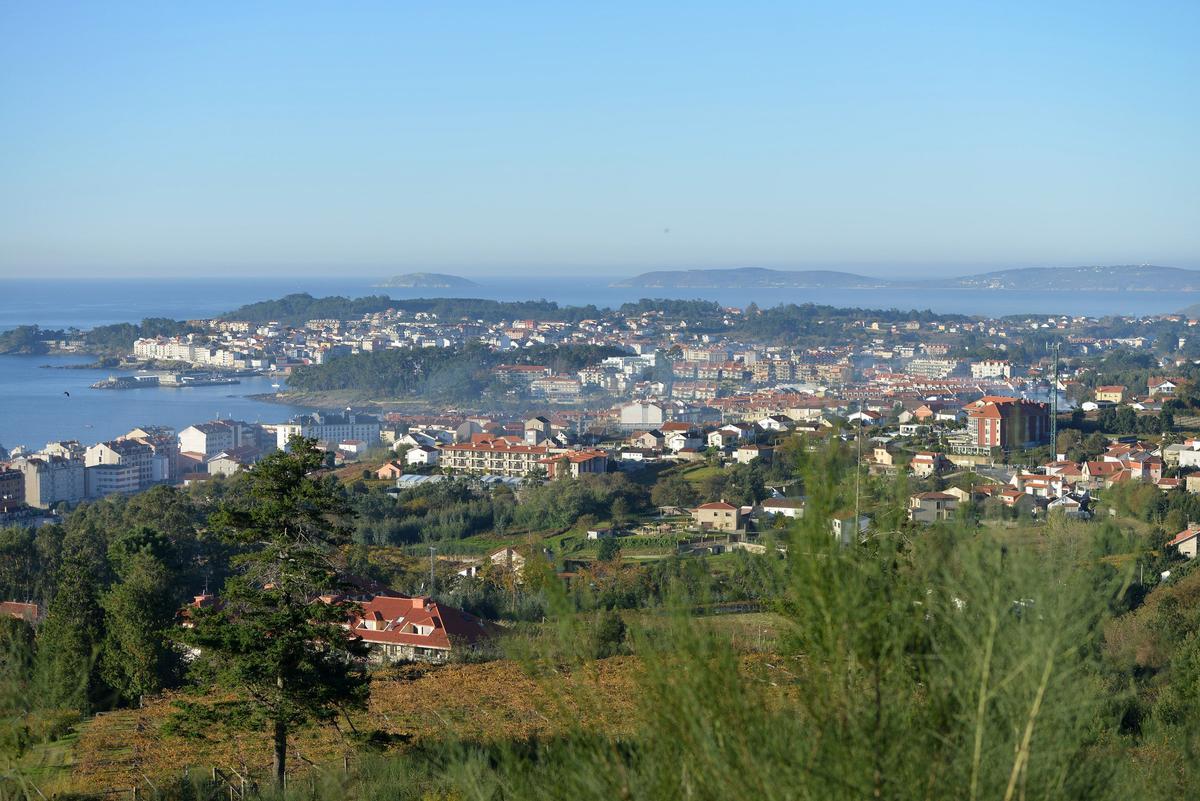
1164 385
1187 541
1100 475
717 516
29 612
390 471
575 463
416 629
930 507
927 463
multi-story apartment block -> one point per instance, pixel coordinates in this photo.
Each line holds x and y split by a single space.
210 438
932 368
52 479
113 479
556 389
495 457
64 449
329 428
521 373
991 368
1003 422
138 467
165 446
179 349
642 416
12 489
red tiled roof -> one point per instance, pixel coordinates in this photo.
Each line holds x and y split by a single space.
20 610
1184 536
398 620
497 445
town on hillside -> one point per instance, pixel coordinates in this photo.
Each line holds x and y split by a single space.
483 468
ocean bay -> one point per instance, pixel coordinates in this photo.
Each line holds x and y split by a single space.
46 398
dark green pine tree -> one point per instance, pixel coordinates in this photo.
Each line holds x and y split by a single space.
138 657
16 696
68 643
273 641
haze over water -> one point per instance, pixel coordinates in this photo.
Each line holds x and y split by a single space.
86 303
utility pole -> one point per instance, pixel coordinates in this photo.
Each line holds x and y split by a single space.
857 471
1054 405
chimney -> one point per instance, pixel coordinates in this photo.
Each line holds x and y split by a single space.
418 603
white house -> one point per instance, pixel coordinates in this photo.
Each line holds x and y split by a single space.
846 529
1187 541
422 455
775 422
745 454
680 440
787 507
721 438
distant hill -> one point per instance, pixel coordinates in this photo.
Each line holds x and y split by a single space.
1116 278
749 277
427 281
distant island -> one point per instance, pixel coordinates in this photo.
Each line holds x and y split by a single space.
427 281
1116 278
749 278
1113 278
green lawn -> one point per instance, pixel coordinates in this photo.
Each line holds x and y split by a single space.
698 474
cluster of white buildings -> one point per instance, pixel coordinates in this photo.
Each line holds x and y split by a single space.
68 472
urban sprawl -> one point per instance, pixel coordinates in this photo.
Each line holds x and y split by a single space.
677 394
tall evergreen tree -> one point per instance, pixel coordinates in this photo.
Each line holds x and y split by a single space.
138 658
69 641
274 641
16 671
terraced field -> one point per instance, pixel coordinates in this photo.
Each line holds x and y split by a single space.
485 703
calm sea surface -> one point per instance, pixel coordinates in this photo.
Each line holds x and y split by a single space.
89 302
34 408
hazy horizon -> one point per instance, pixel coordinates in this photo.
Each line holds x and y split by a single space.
157 139
504 273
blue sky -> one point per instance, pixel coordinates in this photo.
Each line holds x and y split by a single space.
556 138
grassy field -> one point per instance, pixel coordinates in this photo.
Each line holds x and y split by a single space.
701 473
489 702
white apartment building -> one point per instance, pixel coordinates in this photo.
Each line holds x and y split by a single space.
176 349
932 368
216 436
137 457
52 479
329 428
991 368
639 416
113 479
